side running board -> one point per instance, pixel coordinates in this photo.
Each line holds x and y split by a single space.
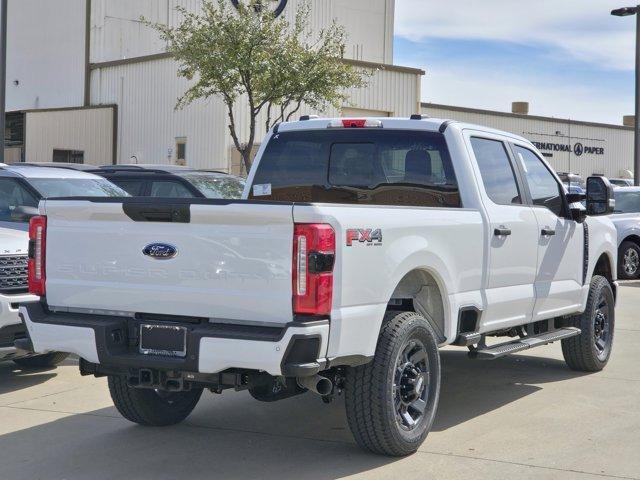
496 351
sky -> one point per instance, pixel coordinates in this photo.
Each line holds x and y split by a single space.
568 58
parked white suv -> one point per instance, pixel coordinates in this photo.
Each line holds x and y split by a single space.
362 246
21 188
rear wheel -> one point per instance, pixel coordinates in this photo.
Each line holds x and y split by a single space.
152 407
590 351
391 402
41 361
629 261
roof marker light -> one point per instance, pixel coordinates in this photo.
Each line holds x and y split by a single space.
355 123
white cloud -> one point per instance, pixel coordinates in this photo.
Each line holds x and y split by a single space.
495 90
583 29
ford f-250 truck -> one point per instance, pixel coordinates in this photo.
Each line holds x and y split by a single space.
362 245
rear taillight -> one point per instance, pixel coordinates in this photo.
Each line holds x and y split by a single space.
314 247
37 251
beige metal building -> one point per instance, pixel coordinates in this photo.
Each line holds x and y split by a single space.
114 101
574 146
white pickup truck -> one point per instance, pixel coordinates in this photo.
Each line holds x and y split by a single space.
361 247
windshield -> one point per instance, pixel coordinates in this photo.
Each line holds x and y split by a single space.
76 187
18 202
627 202
217 186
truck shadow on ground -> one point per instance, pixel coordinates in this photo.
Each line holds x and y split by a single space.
471 388
234 436
14 378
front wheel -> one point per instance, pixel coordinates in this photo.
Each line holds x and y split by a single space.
391 402
152 407
629 261
590 351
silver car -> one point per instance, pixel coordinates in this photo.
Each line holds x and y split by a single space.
21 189
626 218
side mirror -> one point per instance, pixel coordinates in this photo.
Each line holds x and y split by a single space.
600 200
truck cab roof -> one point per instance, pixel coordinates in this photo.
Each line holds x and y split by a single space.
416 122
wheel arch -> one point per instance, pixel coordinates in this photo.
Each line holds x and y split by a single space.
605 268
633 237
427 291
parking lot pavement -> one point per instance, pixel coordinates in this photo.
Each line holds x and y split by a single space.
524 416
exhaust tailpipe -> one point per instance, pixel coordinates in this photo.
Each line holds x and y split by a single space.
317 384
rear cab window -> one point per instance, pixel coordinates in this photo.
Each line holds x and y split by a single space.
357 166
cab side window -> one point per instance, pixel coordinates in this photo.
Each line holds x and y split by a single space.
545 190
497 173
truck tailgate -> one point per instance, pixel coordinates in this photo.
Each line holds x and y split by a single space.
232 261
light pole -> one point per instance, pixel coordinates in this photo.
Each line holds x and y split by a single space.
626 12
3 73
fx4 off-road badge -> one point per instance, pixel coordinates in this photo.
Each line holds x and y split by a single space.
276 6
366 236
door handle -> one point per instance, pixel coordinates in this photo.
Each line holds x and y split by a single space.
502 232
547 232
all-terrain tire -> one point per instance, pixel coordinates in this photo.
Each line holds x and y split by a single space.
632 251
590 351
149 407
41 361
372 393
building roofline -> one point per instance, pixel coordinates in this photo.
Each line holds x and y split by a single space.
524 117
384 66
162 56
65 109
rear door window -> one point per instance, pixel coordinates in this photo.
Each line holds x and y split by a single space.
358 166
498 177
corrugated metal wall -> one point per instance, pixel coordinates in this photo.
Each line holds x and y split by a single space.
616 141
147 92
89 130
45 54
117 32
393 92
148 123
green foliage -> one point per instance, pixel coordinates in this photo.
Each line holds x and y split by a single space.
248 54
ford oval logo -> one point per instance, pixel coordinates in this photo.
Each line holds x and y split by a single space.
160 251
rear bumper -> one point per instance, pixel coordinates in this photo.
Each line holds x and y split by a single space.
112 343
